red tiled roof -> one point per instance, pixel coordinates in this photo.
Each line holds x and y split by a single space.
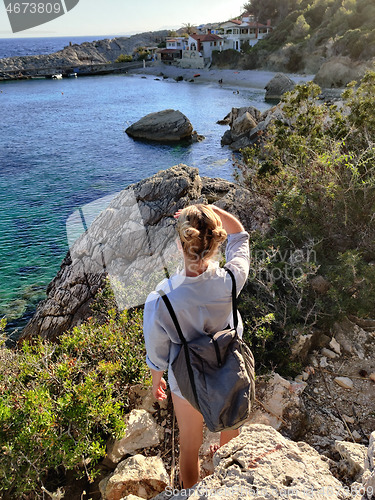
206 38
235 21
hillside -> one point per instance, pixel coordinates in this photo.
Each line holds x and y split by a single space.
309 33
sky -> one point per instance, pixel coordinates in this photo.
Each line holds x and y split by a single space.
119 17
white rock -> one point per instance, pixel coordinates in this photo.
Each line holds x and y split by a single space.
354 454
344 382
138 475
372 376
368 482
330 354
243 124
260 457
335 345
141 432
210 439
323 362
131 497
305 375
281 396
370 458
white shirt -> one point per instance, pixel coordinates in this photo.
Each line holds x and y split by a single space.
201 303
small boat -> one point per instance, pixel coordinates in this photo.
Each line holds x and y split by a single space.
58 76
72 75
196 76
38 77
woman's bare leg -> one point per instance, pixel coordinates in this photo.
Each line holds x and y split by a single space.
190 424
226 436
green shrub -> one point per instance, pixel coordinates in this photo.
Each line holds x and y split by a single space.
226 58
60 403
123 58
316 168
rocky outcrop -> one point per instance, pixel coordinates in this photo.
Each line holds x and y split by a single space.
354 454
368 478
261 463
133 242
338 71
277 86
141 432
168 125
97 52
248 125
139 476
340 394
280 406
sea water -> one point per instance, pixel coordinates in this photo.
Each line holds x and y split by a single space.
63 145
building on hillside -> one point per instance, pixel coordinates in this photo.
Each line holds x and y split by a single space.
205 45
174 49
246 29
210 28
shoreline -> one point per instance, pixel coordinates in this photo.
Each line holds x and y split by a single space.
251 79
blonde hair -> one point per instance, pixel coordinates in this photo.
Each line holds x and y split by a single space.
201 231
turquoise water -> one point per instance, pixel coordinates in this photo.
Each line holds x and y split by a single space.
62 145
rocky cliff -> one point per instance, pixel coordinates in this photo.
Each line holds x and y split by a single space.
97 52
133 242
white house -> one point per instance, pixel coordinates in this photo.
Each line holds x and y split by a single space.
205 45
177 43
246 29
174 49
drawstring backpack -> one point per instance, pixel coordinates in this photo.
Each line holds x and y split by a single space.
215 372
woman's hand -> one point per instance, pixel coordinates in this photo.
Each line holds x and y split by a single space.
178 213
158 385
158 389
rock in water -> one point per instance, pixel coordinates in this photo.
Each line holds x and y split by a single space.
165 126
278 85
133 242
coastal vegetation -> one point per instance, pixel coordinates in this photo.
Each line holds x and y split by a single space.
122 58
316 263
307 32
60 402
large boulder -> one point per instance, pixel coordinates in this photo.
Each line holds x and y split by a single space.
338 71
165 126
139 476
262 464
281 406
354 455
242 125
277 86
141 432
132 240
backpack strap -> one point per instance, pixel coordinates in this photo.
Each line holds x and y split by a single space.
234 298
167 302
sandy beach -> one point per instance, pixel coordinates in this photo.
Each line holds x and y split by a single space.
230 77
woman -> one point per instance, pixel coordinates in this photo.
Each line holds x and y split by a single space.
202 300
